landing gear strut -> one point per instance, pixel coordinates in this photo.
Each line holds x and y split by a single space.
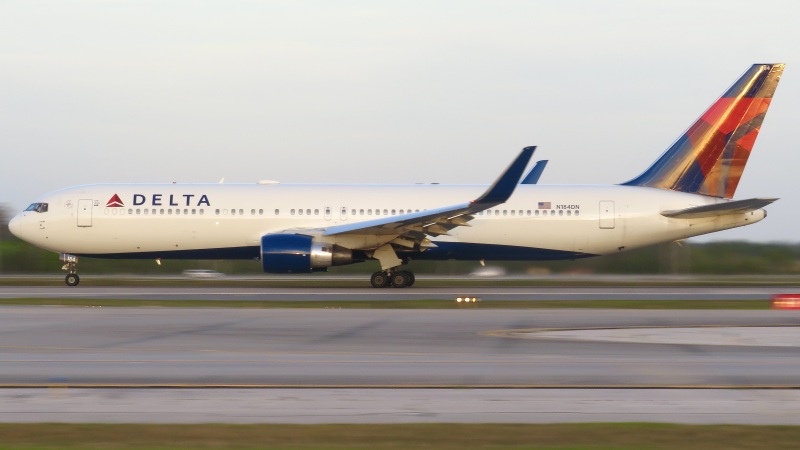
388 276
71 266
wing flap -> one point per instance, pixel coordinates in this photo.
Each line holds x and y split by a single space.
719 209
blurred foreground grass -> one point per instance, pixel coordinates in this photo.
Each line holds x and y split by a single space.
594 436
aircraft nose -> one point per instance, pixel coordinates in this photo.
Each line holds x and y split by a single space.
14 226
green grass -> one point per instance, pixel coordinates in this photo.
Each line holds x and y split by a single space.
593 436
396 304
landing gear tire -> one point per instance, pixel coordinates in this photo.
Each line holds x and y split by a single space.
413 279
402 279
380 280
72 279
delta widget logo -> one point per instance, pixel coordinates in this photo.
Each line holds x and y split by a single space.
115 202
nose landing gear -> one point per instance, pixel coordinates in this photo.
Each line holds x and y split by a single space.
71 266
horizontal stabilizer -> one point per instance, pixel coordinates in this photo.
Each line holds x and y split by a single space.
720 209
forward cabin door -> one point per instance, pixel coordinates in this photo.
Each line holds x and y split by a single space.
607 214
84 213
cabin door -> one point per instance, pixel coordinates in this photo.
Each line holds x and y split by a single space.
607 214
84 213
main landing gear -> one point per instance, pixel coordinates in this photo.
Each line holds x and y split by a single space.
71 266
398 279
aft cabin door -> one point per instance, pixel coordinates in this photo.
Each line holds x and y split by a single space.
607 214
84 213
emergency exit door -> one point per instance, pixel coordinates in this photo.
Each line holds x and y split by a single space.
607 214
84 213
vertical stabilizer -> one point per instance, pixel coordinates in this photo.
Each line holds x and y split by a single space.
710 156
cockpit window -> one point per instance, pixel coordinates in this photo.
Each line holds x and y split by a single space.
38 207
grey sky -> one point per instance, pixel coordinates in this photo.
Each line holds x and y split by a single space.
381 92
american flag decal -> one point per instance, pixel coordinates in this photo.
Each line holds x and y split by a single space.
544 205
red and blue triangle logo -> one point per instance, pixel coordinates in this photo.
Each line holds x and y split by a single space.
115 202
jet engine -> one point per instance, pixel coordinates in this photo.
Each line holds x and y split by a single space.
298 253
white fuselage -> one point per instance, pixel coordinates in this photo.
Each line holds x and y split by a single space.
159 219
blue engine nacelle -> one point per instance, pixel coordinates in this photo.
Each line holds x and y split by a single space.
298 253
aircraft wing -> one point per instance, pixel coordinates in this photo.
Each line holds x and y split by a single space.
720 209
435 222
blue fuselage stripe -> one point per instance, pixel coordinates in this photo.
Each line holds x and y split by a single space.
442 251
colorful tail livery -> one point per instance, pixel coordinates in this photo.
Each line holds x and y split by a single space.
710 156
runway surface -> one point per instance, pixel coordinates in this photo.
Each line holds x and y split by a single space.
313 406
343 358
415 293
345 347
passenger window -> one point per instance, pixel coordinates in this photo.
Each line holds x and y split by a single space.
577 212
316 212
215 212
260 212
277 212
308 212
186 211
178 212
291 212
361 212
299 212
552 212
194 211
513 212
536 213
561 212
252 212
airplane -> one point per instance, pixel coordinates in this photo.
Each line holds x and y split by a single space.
304 228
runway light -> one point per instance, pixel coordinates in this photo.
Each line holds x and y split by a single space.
786 301
458 299
466 299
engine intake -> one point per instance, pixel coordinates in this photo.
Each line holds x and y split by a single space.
298 253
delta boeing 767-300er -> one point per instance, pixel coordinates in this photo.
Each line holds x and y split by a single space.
295 228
